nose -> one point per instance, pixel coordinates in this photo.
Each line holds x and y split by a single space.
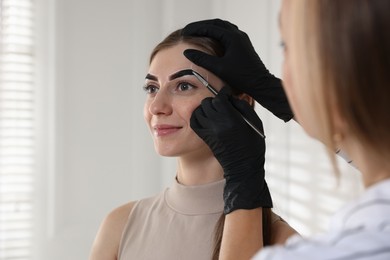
161 104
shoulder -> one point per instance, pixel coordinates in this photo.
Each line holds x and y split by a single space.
365 244
368 234
281 230
107 240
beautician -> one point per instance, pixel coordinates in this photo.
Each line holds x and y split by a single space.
337 81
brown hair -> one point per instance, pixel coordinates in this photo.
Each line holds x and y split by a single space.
212 47
266 225
208 45
341 57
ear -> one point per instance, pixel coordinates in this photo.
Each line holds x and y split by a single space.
340 127
247 98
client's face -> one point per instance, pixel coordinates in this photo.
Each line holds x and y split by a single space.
171 98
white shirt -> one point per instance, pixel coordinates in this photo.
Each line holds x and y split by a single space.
359 231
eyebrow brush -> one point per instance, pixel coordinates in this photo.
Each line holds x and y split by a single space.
204 82
215 92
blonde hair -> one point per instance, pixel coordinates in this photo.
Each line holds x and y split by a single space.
340 54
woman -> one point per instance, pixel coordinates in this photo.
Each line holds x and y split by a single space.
186 220
336 76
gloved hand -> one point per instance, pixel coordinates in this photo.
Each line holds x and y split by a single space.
240 66
237 147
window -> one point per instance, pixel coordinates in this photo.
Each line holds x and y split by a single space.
17 130
299 174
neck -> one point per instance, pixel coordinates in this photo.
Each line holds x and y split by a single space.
373 171
198 170
373 166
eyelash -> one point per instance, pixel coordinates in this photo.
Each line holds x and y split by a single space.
147 88
151 89
282 44
185 83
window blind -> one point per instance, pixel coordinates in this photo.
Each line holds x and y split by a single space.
17 144
304 188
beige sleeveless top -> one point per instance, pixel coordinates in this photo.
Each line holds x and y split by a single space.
179 223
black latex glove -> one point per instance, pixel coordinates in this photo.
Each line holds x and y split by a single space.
240 66
237 147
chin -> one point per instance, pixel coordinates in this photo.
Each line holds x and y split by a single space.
166 152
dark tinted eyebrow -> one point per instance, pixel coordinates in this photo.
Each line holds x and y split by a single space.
175 75
181 73
151 77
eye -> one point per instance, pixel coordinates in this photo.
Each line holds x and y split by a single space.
185 86
150 89
282 44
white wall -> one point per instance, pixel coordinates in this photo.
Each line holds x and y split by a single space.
103 154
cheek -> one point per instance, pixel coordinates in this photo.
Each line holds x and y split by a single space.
288 86
185 107
298 101
287 83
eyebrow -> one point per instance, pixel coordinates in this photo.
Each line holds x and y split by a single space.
151 77
181 73
175 75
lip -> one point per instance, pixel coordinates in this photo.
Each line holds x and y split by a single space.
164 130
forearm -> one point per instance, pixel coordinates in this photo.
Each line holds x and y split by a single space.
242 234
